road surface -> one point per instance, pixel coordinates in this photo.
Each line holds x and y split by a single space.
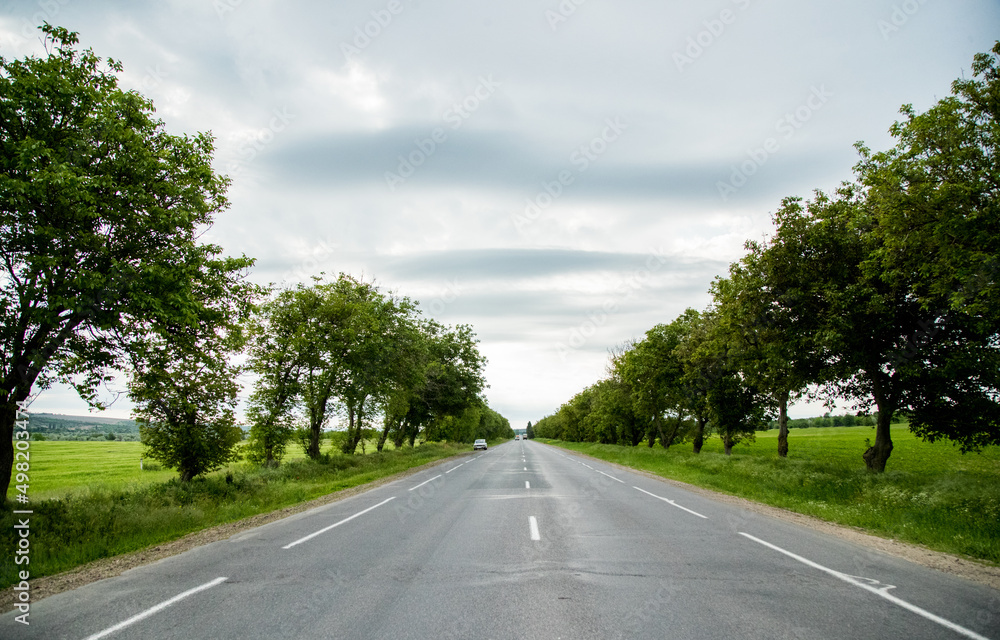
522 541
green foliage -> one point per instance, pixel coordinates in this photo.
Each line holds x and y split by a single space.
346 347
613 413
736 409
936 199
275 356
182 381
493 426
865 325
653 372
100 215
192 446
449 382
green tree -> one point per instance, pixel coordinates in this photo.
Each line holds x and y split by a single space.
413 351
867 326
183 382
654 372
372 339
406 377
452 379
769 344
936 197
574 414
736 408
613 413
100 213
934 200
530 431
702 365
492 425
331 345
819 249
550 427
276 354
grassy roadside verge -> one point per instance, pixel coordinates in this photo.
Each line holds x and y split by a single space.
930 495
81 527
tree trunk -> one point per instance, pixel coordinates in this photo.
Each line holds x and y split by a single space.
316 417
727 444
314 433
635 435
783 426
267 441
9 414
16 390
350 444
399 437
189 466
354 434
699 433
663 436
384 436
669 440
876 455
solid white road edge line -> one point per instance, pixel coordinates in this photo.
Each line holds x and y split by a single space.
533 526
160 607
882 592
347 519
670 502
425 482
612 477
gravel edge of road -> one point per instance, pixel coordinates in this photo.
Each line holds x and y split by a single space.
962 567
46 586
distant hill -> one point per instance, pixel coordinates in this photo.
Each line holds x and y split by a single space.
44 418
62 427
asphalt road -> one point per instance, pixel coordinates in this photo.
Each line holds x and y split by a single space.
522 541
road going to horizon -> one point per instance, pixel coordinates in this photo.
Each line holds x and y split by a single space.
522 541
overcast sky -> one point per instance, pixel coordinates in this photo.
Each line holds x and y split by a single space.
562 176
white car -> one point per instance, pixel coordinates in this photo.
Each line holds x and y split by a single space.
479 444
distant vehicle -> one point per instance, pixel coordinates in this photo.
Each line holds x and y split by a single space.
479 444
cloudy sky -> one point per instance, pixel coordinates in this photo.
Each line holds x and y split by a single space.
561 175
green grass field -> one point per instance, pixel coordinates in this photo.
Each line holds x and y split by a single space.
66 467
930 494
60 468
